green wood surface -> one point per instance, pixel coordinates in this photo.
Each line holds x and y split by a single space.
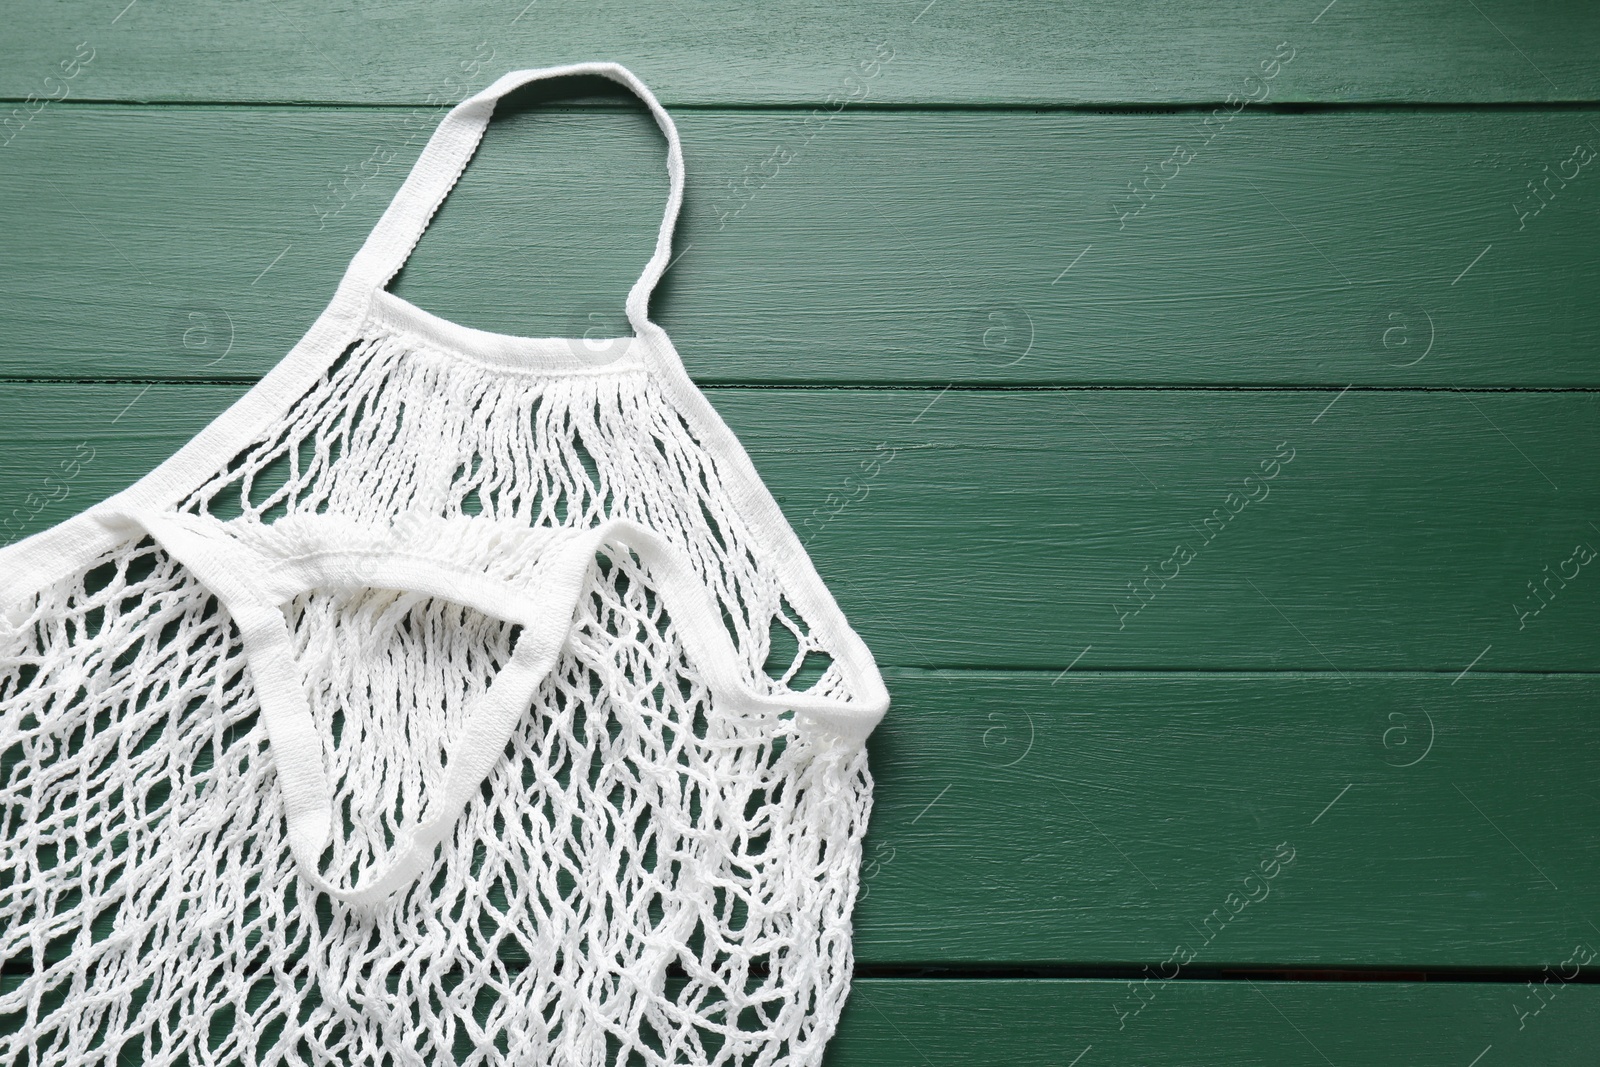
1004 527
942 1023
1110 817
909 233
1381 248
701 51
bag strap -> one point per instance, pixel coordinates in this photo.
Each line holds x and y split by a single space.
452 146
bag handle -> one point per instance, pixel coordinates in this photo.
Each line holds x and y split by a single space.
445 157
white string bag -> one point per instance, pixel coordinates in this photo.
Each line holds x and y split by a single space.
419 711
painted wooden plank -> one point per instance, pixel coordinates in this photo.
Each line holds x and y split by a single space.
1207 822
1221 529
1222 820
703 51
1089 1023
1265 1024
1380 248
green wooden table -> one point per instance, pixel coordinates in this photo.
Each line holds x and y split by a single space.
1232 373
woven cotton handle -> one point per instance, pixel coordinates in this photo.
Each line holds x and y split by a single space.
452 146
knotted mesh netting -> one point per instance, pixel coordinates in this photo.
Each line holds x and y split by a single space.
646 876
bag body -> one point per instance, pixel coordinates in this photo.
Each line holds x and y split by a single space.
453 697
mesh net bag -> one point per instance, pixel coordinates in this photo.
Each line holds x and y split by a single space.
452 698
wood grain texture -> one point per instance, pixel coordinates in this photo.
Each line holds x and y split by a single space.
1233 820
1003 528
704 51
1380 248
1047 1024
